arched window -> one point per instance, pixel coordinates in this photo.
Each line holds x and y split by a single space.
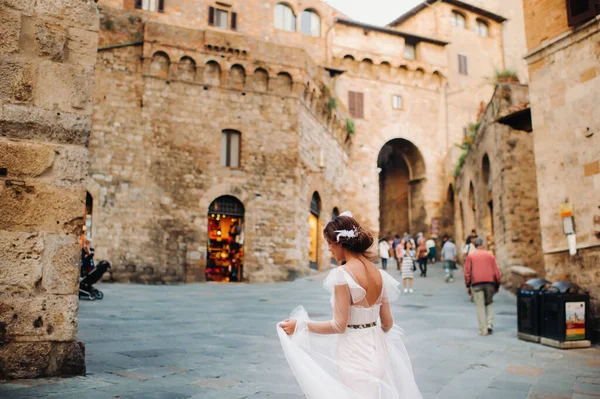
313 223
457 19
285 18
230 148
482 28
311 23
187 68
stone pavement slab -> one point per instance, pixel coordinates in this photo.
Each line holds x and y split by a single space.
219 341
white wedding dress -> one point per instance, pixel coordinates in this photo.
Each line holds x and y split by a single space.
365 362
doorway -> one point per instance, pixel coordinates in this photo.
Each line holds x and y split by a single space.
225 255
313 223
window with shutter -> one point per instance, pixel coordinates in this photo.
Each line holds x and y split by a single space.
221 18
352 103
230 148
161 5
579 11
234 21
360 105
211 16
462 64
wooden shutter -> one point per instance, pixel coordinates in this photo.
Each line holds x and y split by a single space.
579 11
360 105
138 3
462 64
352 103
211 16
161 5
234 21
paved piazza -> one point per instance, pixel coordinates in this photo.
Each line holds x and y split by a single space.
206 341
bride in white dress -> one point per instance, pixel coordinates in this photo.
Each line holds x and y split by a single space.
368 360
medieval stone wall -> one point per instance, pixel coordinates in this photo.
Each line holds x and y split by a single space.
47 57
565 85
495 190
155 151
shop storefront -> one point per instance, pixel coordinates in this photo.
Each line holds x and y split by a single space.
313 223
225 240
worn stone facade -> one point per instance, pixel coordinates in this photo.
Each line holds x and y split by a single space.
495 191
155 150
565 86
47 59
170 82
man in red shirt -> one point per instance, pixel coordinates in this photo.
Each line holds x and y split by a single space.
482 278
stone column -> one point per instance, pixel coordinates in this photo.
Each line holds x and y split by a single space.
47 58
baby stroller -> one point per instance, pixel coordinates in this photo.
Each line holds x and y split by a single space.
86 289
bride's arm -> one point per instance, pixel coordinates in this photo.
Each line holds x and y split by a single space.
385 314
341 314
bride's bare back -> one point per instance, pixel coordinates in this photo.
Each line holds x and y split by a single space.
367 275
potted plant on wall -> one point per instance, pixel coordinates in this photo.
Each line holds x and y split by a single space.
506 76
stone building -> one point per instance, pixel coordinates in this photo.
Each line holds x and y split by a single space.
47 59
495 190
563 39
281 113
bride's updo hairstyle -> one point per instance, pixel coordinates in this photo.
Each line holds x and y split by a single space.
359 244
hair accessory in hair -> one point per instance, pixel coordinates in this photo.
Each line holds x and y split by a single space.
345 233
347 213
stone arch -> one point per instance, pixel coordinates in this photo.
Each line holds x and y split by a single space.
225 216
403 72
187 68
212 73
314 230
471 208
261 79
437 78
237 76
349 57
283 83
420 75
401 187
449 212
160 64
488 217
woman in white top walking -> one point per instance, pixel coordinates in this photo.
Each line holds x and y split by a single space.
384 252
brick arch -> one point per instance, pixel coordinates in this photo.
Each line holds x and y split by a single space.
211 73
186 70
237 76
260 79
284 83
160 64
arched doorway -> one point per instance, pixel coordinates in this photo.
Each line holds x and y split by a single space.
488 225
313 223
472 209
335 213
88 220
225 255
448 212
401 182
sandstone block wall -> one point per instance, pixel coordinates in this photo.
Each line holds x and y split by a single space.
499 170
47 59
155 150
565 86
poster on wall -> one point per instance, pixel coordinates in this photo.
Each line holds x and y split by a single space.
575 319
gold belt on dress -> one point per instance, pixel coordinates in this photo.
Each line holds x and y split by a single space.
359 326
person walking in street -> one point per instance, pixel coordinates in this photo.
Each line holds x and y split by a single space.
449 258
469 246
422 255
408 267
399 252
482 279
431 247
384 252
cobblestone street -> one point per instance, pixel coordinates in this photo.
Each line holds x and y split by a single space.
219 341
